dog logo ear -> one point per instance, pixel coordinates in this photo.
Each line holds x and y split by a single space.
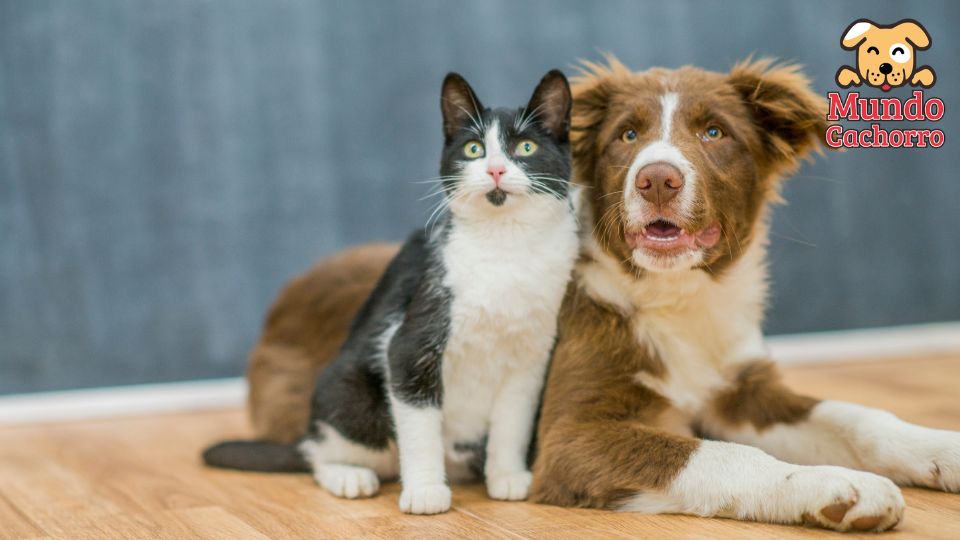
914 33
854 35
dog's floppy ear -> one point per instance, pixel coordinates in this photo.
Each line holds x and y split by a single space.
592 90
790 117
914 32
854 35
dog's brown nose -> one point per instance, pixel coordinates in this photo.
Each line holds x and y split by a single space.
659 182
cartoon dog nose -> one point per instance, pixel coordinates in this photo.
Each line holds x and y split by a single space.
885 68
659 182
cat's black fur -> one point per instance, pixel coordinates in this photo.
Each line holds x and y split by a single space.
350 395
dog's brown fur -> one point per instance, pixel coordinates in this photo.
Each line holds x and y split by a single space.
303 331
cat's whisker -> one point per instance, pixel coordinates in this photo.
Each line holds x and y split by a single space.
435 180
526 118
478 127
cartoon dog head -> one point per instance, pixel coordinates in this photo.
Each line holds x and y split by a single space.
885 55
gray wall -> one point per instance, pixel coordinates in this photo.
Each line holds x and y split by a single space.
166 165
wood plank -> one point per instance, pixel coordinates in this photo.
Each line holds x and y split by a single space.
142 478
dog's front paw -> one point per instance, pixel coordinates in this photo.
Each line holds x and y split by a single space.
425 499
509 486
847 77
924 77
844 499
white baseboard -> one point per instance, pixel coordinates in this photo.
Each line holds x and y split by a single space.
868 344
118 401
847 345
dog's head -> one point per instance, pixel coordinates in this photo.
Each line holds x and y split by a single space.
681 162
885 54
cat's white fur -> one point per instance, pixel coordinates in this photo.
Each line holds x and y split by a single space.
507 268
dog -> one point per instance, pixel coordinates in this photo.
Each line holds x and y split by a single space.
885 55
660 397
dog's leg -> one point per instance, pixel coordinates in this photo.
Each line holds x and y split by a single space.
846 77
832 432
629 466
924 77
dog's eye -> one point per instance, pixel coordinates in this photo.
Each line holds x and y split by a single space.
629 136
899 53
712 133
473 149
874 50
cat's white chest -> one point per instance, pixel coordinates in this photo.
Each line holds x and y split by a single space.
507 283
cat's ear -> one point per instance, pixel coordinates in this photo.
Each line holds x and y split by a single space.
550 104
460 106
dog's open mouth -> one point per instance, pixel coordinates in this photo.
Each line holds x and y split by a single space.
666 237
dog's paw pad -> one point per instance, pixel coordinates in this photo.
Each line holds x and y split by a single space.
835 512
347 481
867 523
510 486
428 499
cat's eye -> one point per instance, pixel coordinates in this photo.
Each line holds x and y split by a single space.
712 133
473 149
629 136
526 148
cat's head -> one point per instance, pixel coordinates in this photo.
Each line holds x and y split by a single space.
496 161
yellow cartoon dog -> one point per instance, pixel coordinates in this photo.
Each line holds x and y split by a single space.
885 55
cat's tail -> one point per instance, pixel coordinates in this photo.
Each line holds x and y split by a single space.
260 456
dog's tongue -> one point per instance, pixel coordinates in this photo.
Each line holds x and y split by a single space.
885 87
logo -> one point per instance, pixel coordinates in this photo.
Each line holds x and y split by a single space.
885 59
886 55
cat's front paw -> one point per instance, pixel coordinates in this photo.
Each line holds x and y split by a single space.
509 486
426 499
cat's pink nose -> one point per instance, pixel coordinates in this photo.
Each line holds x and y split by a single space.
495 171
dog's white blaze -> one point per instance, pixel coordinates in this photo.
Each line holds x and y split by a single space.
662 150
857 30
668 106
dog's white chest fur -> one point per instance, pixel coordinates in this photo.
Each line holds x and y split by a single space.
698 326
507 281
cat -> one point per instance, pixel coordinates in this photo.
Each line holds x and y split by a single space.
442 372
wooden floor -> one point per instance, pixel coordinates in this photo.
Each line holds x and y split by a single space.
141 478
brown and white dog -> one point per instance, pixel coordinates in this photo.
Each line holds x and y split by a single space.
660 397
660 341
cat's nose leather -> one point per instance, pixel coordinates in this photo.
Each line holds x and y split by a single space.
495 171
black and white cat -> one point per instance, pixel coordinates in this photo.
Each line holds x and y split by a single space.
442 372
